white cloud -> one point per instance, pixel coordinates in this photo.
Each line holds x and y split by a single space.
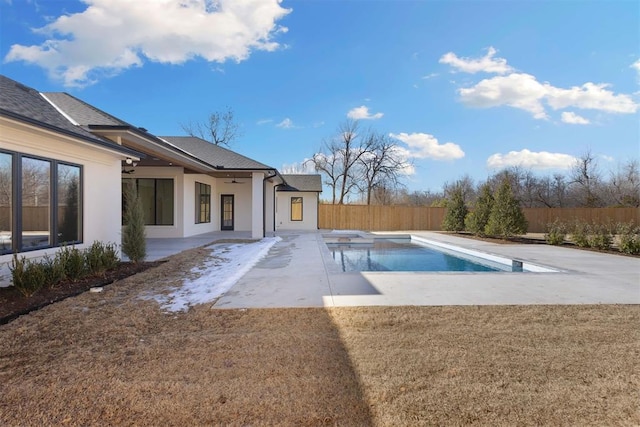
429 76
525 92
113 35
574 119
531 160
425 146
264 121
590 96
486 64
287 123
515 90
362 113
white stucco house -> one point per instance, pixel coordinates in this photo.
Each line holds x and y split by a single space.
64 163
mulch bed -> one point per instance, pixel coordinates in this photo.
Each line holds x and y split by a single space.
14 304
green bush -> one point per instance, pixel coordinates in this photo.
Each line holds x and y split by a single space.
100 257
110 256
580 231
557 232
27 276
600 236
74 263
456 212
629 242
506 218
93 258
53 269
476 221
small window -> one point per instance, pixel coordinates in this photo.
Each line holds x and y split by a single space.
296 209
203 203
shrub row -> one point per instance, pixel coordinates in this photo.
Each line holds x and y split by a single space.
594 235
495 213
69 263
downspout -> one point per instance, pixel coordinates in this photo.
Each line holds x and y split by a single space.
264 203
275 190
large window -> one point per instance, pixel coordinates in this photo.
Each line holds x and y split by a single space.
36 203
69 213
156 196
40 203
203 203
296 209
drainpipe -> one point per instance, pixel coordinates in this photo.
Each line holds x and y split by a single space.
275 190
272 173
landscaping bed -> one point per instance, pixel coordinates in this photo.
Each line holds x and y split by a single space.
14 304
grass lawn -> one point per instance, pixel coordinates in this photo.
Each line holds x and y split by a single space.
114 359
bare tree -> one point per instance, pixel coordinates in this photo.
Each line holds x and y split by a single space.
586 181
328 165
463 186
625 184
221 128
417 197
551 192
381 167
339 159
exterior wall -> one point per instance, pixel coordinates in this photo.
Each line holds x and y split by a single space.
178 176
309 211
257 204
189 208
242 202
101 189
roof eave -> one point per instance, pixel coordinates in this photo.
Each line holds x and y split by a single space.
96 141
150 141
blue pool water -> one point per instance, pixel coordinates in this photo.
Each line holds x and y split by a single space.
402 255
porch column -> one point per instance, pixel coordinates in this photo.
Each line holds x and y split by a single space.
257 206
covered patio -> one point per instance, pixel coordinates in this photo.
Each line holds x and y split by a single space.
159 248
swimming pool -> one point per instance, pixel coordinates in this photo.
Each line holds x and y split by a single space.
391 254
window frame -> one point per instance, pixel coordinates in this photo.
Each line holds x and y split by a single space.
292 204
16 208
154 206
200 186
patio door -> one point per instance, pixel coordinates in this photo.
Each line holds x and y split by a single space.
226 216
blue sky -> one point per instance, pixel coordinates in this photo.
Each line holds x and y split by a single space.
465 87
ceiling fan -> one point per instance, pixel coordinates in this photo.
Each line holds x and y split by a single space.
234 181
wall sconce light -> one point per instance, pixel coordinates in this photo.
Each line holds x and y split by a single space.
129 162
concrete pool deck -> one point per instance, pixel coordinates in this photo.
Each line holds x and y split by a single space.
298 272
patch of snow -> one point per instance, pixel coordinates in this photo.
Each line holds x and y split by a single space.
216 275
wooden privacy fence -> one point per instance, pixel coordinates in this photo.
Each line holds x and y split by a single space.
34 218
392 218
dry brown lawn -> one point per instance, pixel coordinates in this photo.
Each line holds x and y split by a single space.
112 359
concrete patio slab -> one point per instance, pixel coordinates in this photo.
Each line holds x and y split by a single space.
299 272
161 248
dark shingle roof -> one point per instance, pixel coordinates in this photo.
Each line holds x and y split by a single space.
81 112
302 183
26 103
214 154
